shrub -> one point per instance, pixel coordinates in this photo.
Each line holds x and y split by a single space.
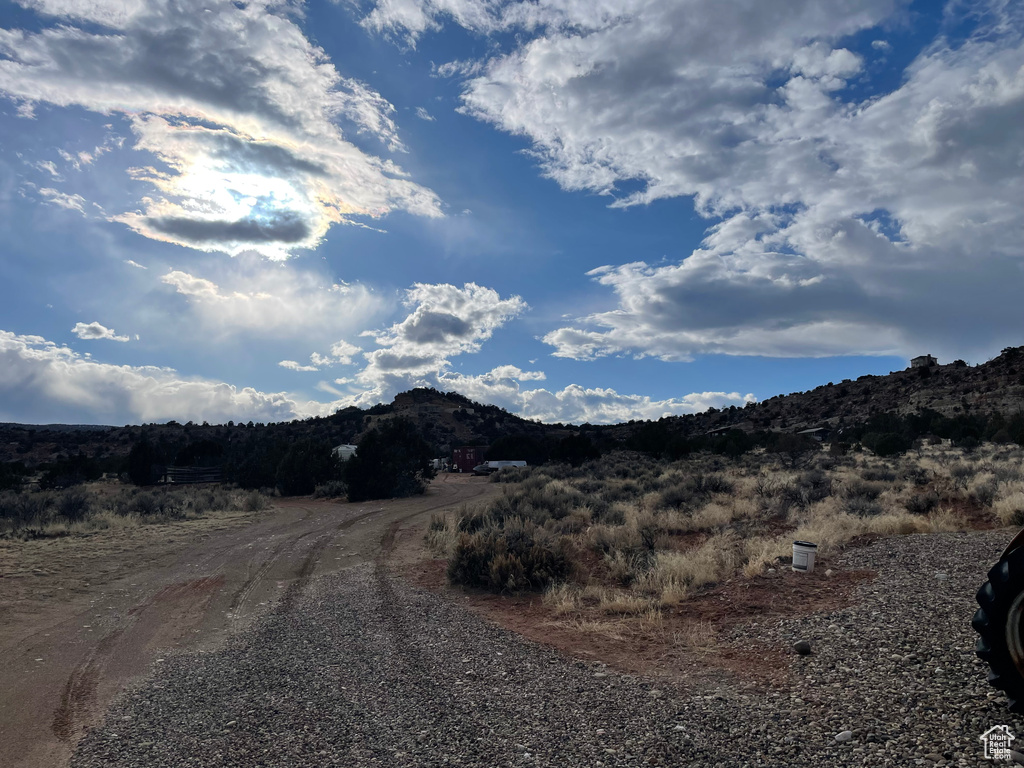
862 506
19 509
859 489
878 474
332 489
921 503
519 557
74 504
985 493
961 475
145 503
254 501
813 486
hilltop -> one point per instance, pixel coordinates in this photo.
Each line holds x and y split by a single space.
955 391
951 390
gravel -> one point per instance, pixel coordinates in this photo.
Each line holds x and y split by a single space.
361 669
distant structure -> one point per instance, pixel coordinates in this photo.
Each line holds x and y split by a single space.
344 452
818 433
465 457
191 475
924 361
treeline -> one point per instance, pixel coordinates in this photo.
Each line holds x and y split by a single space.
889 433
393 461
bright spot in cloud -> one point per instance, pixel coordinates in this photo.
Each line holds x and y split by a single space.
247 121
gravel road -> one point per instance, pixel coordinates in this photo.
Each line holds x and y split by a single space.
360 669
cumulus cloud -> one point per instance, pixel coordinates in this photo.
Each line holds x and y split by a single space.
838 223
242 116
96 331
43 382
445 321
278 302
341 354
577 404
422 114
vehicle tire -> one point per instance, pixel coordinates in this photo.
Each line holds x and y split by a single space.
1000 623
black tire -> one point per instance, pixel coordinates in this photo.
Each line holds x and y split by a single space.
996 598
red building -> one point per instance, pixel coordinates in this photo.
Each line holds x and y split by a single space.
466 457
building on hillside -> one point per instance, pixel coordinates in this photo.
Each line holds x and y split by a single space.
190 475
344 452
923 361
465 457
818 433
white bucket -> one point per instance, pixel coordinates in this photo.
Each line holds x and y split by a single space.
804 553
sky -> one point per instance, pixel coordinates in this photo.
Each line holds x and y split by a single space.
578 210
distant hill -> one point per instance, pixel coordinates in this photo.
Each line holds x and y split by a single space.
448 420
952 390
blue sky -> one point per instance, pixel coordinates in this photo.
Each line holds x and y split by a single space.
580 211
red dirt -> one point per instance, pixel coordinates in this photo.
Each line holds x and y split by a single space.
623 643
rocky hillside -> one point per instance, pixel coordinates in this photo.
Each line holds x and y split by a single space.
996 386
447 420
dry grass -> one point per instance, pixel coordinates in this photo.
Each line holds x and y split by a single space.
443 533
696 636
645 535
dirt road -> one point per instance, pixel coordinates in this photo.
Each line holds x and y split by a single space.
78 629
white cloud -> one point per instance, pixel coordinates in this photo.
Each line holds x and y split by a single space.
278 301
135 264
294 366
42 382
422 114
70 202
446 321
412 18
50 167
240 111
96 331
575 403
341 354
884 225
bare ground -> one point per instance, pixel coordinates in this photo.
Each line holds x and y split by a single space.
82 617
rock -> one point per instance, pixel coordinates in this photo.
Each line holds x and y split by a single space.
844 736
802 647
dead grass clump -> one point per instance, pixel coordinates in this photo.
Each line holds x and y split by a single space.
1008 507
443 533
709 563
